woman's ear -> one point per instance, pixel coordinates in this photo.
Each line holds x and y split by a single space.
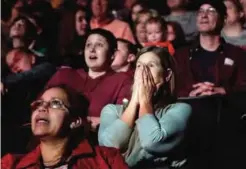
76 123
169 74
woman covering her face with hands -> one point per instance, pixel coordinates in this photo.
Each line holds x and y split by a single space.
151 123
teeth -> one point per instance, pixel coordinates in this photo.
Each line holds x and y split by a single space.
42 121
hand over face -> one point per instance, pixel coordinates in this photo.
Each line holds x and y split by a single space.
147 86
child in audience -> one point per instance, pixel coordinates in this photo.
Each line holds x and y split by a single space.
156 33
124 57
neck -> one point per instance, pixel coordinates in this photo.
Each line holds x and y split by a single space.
123 69
178 12
210 42
233 30
53 151
94 74
101 19
17 42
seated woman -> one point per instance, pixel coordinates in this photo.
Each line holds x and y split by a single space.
57 120
101 85
151 123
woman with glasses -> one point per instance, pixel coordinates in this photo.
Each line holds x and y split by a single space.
58 121
151 123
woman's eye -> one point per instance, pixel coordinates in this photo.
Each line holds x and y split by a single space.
100 45
55 104
88 45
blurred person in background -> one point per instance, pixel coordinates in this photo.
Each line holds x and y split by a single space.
73 28
175 34
210 66
125 57
186 19
140 27
233 31
102 18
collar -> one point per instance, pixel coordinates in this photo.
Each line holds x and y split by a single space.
196 46
33 158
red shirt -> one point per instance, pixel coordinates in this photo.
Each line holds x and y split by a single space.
83 157
109 88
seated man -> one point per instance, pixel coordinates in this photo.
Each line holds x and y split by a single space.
211 66
124 57
21 87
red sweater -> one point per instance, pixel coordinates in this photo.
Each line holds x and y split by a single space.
110 88
83 156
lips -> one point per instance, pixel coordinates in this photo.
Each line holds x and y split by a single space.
92 57
42 120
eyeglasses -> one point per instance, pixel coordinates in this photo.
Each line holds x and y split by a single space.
53 104
209 11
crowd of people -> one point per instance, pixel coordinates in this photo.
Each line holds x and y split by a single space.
99 82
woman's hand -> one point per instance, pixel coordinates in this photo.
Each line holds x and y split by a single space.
136 84
147 87
146 92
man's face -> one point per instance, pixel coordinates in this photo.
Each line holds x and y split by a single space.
207 19
99 7
18 61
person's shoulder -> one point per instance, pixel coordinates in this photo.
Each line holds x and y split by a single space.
235 50
179 106
12 160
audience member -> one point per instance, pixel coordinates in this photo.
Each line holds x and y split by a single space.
28 77
73 28
175 34
124 57
136 8
211 66
243 3
140 30
56 121
233 31
22 32
102 19
100 80
152 122
185 18
125 12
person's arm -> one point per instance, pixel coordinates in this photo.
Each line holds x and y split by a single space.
113 132
161 135
42 71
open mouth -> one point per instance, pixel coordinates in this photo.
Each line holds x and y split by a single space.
42 120
92 57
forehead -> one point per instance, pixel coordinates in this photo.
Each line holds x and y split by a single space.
149 57
55 93
19 21
153 25
96 37
206 6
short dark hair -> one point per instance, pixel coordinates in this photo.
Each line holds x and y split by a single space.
109 37
131 47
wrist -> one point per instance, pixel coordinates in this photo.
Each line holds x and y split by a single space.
145 108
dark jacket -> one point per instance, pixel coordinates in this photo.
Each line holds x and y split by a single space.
83 156
229 70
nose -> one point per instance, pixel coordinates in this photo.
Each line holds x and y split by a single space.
43 108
